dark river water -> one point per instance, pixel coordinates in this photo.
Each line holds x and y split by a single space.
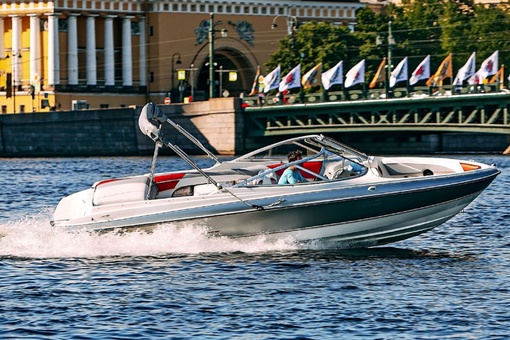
450 283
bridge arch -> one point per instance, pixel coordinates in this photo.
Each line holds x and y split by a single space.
229 54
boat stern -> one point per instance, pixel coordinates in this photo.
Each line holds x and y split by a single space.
72 207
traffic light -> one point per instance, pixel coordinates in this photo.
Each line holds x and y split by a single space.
8 85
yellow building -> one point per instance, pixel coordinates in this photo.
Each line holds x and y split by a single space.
75 54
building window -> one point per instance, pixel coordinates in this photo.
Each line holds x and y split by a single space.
135 28
4 109
62 25
22 108
104 106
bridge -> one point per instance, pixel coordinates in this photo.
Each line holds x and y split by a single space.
474 113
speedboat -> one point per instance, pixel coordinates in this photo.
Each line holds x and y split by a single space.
347 196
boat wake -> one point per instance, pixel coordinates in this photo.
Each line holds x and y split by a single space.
33 237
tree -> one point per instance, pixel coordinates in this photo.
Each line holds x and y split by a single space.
489 32
315 42
419 28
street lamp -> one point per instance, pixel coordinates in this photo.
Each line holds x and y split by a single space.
14 84
391 43
178 62
291 24
212 24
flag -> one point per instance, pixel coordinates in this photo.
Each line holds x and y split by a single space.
421 72
291 80
255 86
466 71
399 73
311 78
333 76
488 68
355 75
444 71
272 80
475 79
380 75
498 76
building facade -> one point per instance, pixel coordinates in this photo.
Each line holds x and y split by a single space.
74 54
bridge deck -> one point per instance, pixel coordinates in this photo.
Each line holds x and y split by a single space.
481 113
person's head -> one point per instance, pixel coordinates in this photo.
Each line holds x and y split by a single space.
294 156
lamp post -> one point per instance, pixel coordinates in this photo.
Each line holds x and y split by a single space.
15 68
178 62
291 27
391 43
211 55
221 71
291 24
212 30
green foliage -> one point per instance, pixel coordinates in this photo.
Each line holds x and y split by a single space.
420 28
313 43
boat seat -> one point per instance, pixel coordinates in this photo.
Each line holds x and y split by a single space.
395 168
122 190
270 178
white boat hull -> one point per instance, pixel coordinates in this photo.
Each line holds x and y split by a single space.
345 196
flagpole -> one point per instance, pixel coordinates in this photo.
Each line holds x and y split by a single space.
391 41
451 77
211 55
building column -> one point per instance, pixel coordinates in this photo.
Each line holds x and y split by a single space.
72 52
53 50
109 56
127 58
143 53
16 50
91 50
35 49
2 31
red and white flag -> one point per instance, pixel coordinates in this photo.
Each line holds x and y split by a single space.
488 68
399 73
356 75
291 80
421 72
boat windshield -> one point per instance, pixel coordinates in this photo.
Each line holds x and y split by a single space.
308 145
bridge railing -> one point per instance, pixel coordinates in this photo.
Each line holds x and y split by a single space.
353 95
477 112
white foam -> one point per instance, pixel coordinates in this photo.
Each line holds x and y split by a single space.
33 237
